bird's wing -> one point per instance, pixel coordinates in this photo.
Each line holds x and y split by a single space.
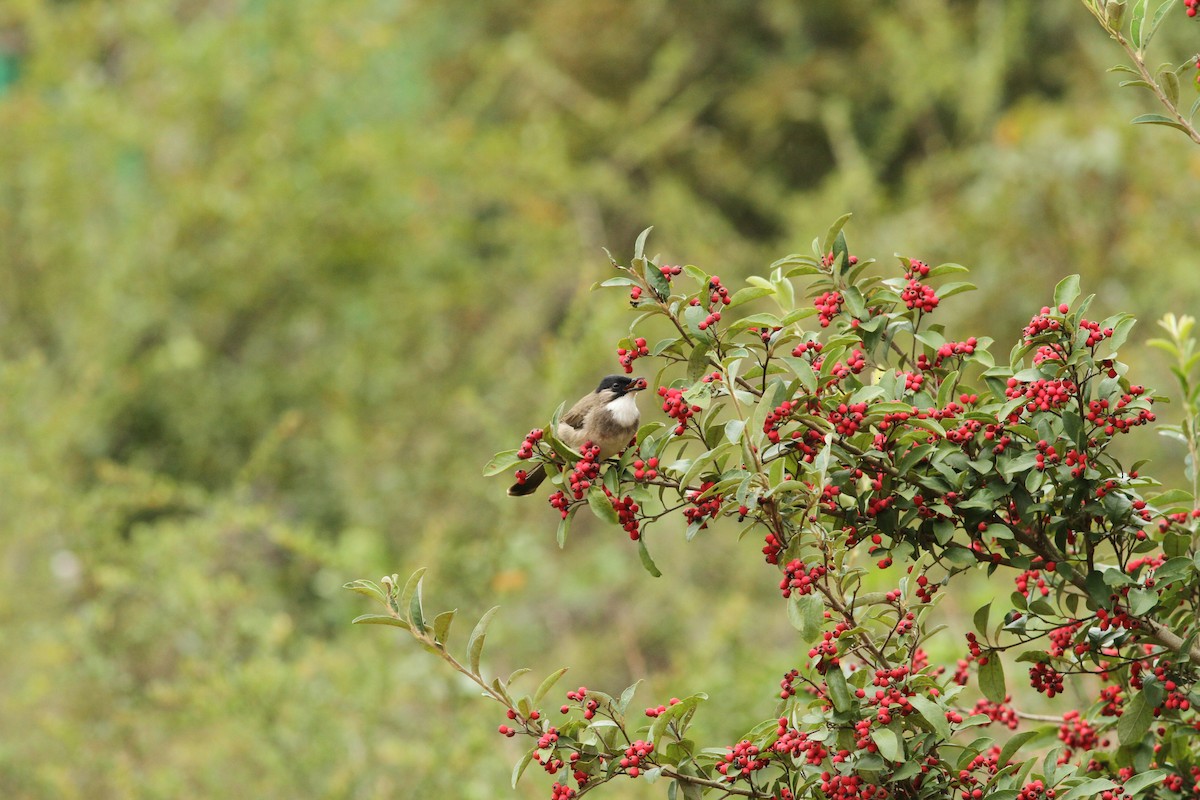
577 414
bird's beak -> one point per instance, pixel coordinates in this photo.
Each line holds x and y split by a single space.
638 385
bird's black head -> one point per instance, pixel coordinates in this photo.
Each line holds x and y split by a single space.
621 385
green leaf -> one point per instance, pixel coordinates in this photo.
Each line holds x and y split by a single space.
1158 119
1014 744
1142 780
639 247
519 768
1141 601
745 295
1135 24
889 744
1136 720
617 282
1090 788
441 625
380 619
369 588
647 561
832 234
410 598
839 690
475 643
546 685
981 618
991 678
806 612
933 714
1159 15
1067 290
601 506
564 525
500 462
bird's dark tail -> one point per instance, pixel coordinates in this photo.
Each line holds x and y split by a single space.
532 481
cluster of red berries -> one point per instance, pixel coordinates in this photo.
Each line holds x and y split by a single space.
919 296
797 744
628 355
947 350
1042 394
634 755
560 792
531 440
855 364
800 579
1005 714
627 514
850 787
668 271
828 305
828 259
1192 7
787 686
1095 333
813 348
645 469
585 470
1043 322
580 696
772 547
1045 679
741 761
826 650
702 507
1077 733
1033 576
655 711
780 414
847 419
677 408
1034 790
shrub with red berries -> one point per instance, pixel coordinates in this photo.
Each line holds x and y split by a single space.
875 459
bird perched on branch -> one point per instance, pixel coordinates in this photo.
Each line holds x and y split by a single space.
608 418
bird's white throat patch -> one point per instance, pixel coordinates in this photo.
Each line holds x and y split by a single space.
624 409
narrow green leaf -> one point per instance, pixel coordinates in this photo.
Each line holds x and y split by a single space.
519 768
832 234
627 695
1158 119
639 247
546 685
1159 15
1090 788
369 588
647 561
747 294
933 714
1013 745
839 690
475 643
1135 24
380 619
1142 780
500 462
564 525
991 678
1136 720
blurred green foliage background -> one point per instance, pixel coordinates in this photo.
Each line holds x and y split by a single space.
277 278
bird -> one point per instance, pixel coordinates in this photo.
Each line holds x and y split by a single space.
607 417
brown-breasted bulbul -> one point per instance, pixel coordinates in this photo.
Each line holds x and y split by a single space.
608 418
